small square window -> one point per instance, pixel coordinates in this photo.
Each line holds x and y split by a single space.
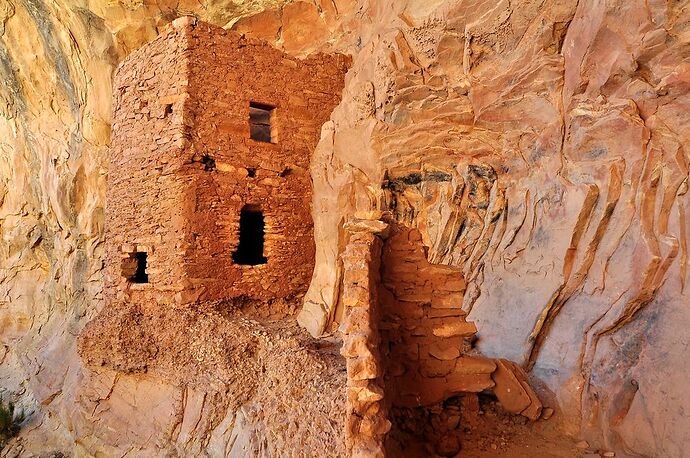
260 122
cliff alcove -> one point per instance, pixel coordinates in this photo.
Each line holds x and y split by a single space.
467 227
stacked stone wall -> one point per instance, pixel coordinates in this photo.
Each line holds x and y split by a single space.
227 72
424 328
367 406
144 191
406 341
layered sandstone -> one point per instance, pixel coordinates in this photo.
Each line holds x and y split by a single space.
537 150
561 125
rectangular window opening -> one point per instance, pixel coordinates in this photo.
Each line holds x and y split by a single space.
260 122
134 267
250 251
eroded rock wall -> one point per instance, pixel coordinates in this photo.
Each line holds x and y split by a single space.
558 130
56 66
561 124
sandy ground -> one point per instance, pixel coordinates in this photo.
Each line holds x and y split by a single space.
491 432
494 433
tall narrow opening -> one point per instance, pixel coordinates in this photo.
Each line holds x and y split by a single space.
260 122
140 276
250 250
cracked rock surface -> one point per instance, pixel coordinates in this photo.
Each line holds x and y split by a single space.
536 145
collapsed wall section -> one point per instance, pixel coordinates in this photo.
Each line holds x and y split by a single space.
406 341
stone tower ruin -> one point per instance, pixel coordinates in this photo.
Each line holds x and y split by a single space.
209 191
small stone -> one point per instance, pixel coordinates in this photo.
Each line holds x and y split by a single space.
449 445
375 426
444 352
369 393
455 327
362 368
608 454
184 21
452 422
547 413
355 345
582 445
447 301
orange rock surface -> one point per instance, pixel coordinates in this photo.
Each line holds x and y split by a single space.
535 150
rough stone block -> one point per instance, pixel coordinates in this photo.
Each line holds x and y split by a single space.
432 367
363 368
467 365
455 327
509 390
468 383
356 345
369 393
447 300
443 351
408 310
445 313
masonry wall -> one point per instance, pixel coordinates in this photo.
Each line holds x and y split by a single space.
143 199
181 158
366 423
424 332
228 71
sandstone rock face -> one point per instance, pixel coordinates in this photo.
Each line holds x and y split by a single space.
536 146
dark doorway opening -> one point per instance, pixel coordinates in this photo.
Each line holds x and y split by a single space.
250 251
139 275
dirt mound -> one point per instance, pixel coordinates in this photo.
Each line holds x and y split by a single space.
289 387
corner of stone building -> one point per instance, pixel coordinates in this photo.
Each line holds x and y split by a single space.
367 423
